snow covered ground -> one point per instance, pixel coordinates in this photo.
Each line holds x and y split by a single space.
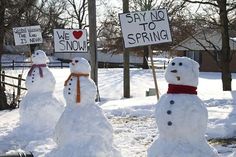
133 119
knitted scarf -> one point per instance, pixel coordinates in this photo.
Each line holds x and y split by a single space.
181 89
37 66
78 75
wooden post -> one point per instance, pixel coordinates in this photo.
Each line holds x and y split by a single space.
93 38
3 79
61 65
93 43
13 97
126 74
13 64
19 85
153 71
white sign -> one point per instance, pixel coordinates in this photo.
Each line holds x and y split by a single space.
145 28
27 35
70 40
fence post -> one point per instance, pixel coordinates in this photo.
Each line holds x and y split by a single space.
3 79
14 96
13 64
19 85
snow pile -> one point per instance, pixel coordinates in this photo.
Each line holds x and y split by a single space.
132 119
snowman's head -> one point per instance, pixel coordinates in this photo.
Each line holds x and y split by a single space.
39 57
182 71
80 65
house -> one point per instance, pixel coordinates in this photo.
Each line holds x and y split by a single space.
198 45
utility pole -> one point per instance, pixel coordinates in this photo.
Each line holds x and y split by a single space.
93 40
126 59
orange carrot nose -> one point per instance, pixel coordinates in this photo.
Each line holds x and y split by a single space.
72 63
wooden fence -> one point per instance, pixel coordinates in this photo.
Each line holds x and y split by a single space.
23 64
15 96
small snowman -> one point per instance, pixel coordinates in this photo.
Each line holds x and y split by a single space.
82 130
39 109
181 116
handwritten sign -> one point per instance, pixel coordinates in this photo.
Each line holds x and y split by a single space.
145 28
27 35
70 40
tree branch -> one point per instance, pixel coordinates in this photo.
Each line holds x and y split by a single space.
202 2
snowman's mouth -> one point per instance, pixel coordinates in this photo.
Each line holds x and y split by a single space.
178 78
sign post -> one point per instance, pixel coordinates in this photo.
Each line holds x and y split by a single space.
146 28
153 72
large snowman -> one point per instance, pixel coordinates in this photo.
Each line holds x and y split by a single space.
83 130
39 109
181 116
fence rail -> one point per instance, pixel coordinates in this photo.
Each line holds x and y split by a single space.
23 64
19 88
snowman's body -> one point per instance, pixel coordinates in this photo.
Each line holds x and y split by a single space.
40 109
83 130
35 83
181 116
87 86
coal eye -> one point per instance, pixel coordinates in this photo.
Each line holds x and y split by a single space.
76 61
173 63
180 64
37 53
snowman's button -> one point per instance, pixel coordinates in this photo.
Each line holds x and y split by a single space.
168 112
68 88
32 77
172 102
69 83
69 93
71 79
32 81
169 123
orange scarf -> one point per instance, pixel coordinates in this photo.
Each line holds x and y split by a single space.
78 83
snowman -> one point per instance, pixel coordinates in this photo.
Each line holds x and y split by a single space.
39 109
82 130
181 116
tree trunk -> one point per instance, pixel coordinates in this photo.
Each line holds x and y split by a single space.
225 52
226 77
145 58
3 98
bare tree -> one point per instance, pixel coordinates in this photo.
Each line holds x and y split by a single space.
109 33
11 14
224 9
111 37
50 15
3 99
78 10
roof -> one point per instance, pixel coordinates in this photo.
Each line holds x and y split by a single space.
210 39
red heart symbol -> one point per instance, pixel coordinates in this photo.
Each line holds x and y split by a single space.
77 34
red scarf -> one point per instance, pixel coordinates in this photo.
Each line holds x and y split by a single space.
37 66
78 75
181 89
